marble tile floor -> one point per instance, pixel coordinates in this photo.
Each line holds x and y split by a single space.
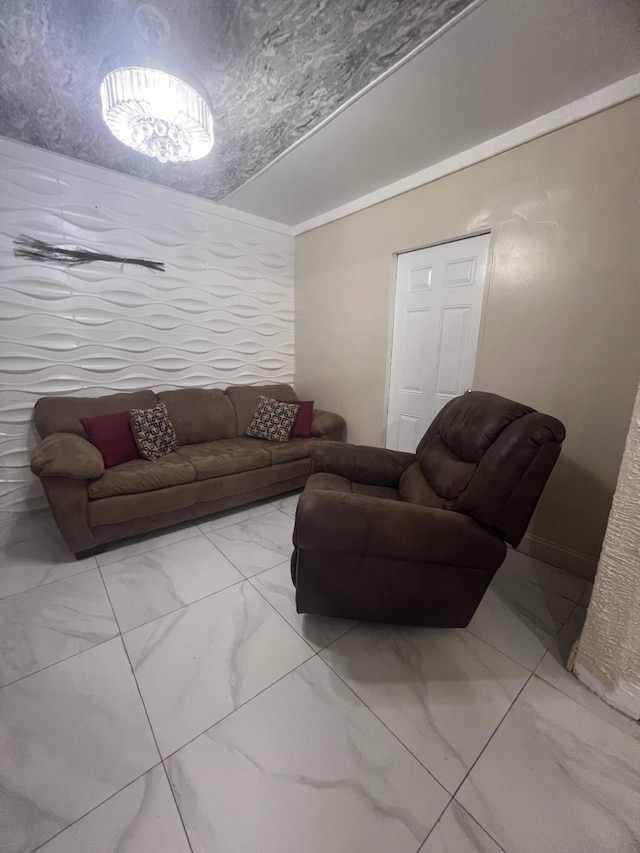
165 697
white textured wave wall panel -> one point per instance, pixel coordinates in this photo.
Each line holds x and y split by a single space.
222 313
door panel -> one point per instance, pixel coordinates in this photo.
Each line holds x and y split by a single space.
416 337
454 337
435 333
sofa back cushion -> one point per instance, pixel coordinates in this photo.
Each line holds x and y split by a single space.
245 399
62 414
490 457
200 414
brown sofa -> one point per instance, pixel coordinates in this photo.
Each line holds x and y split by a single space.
216 467
416 538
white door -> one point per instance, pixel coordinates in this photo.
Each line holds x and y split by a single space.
435 333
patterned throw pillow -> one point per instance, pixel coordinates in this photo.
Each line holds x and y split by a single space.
153 431
272 420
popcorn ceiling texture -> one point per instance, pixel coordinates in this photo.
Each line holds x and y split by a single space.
608 659
273 71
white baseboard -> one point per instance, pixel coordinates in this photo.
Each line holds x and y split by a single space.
559 556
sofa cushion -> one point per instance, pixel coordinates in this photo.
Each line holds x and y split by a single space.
62 414
245 399
226 456
122 509
374 491
287 451
200 414
112 435
141 475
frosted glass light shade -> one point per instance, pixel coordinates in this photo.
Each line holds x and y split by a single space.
157 114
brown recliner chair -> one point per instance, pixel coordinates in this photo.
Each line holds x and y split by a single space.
416 538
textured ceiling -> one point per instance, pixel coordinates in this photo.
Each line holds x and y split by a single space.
273 69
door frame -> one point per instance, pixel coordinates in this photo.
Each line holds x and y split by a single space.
392 307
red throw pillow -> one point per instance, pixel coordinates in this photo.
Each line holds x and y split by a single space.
302 425
112 435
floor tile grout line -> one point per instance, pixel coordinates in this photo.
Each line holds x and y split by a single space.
532 674
496 649
554 636
183 606
97 806
146 712
155 740
237 708
491 737
433 828
48 583
555 639
546 588
243 578
466 811
62 660
175 800
302 637
286 621
123 544
475 820
113 610
452 796
382 722
586 708
440 816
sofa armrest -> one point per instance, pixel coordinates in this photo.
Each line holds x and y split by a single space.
361 525
64 454
327 424
373 466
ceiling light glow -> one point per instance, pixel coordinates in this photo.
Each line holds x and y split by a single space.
156 114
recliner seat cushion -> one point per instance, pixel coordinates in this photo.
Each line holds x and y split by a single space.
334 483
226 456
141 475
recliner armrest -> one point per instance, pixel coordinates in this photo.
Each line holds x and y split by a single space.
372 466
358 524
64 454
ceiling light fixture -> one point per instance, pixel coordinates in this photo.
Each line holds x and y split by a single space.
157 114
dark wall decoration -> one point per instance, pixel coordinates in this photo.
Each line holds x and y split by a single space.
38 250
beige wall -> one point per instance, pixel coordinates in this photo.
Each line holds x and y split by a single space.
561 322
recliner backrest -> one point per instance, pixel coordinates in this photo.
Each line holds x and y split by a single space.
490 457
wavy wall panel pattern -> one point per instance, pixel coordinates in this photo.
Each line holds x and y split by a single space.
222 313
